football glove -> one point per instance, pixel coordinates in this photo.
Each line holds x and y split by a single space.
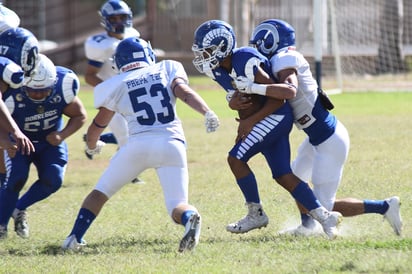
245 85
211 121
91 152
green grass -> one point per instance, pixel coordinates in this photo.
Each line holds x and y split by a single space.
134 234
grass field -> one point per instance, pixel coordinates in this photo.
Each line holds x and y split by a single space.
134 234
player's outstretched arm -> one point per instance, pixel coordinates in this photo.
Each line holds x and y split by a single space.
185 93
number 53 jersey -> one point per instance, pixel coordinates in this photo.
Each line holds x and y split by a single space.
145 98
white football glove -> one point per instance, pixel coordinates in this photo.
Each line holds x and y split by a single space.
91 152
245 85
211 121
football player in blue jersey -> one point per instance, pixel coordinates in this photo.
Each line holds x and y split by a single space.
264 127
38 108
322 155
18 56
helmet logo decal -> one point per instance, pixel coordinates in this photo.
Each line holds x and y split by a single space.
223 48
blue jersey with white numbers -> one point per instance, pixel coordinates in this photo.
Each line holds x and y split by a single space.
37 120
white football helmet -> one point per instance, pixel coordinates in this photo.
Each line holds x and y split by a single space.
41 85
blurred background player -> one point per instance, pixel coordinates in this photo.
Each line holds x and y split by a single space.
144 92
264 126
117 19
38 108
322 155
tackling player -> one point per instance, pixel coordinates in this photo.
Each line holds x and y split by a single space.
322 155
264 127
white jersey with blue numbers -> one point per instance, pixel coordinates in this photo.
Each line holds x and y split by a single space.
145 98
37 120
99 50
309 114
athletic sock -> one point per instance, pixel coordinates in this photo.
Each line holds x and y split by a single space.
249 188
307 221
83 221
304 195
375 206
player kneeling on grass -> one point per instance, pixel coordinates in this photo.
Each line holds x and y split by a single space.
145 93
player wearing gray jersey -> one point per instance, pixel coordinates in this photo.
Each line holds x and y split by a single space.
145 94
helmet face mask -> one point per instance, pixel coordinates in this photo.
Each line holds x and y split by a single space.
116 16
271 36
214 41
133 53
40 86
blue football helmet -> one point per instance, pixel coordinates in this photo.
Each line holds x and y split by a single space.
214 40
40 86
133 53
20 46
116 7
272 35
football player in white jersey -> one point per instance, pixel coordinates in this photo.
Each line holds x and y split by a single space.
322 155
8 18
116 18
145 93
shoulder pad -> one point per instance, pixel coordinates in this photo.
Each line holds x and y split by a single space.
68 82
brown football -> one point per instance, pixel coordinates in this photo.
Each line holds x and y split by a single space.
257 103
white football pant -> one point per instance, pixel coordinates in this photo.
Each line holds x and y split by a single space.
323 164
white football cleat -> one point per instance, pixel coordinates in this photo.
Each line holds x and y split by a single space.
256 218
302 231
192 233
393 214
329 221
71 243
